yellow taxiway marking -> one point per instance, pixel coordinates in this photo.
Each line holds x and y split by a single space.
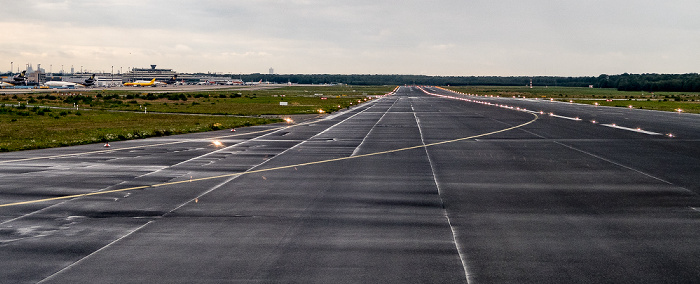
269 169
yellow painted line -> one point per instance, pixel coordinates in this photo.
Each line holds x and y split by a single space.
270 169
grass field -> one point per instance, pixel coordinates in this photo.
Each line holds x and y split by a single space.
38 126
300 100
24 129
663 101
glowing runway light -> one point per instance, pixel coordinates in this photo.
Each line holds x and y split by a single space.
217 143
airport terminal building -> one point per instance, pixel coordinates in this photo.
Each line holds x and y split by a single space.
153 72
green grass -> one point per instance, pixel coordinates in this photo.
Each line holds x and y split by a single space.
663 101
300 100
27 129
23 128
691 107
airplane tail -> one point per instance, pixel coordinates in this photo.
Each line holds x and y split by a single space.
90 81
153 80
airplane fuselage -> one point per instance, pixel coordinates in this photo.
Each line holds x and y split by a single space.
62 84
141 83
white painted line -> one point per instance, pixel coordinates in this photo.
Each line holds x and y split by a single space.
357 149
458 247
94 253
632 129
565 117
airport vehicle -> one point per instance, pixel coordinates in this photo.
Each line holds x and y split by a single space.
142 83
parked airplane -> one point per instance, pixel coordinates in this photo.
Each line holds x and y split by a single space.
63 84
20 79
5 85
171 81
254 83
89 81
141 83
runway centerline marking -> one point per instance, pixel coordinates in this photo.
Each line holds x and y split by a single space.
462 255
536 117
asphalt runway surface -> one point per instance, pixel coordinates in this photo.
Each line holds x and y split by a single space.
422 186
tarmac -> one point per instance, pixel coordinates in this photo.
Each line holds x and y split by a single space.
422 186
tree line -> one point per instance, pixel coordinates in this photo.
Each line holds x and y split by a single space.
623 82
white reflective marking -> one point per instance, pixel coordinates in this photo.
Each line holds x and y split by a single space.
565 117
632 129
460 249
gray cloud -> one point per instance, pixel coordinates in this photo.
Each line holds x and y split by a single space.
451 37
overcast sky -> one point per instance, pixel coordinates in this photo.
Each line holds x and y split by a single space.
448 37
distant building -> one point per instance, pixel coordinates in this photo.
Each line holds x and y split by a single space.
148 74
153 72
272 71
36 77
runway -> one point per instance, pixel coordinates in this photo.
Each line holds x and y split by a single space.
422 186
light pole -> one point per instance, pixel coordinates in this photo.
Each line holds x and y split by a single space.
112 81
11 66
81 69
